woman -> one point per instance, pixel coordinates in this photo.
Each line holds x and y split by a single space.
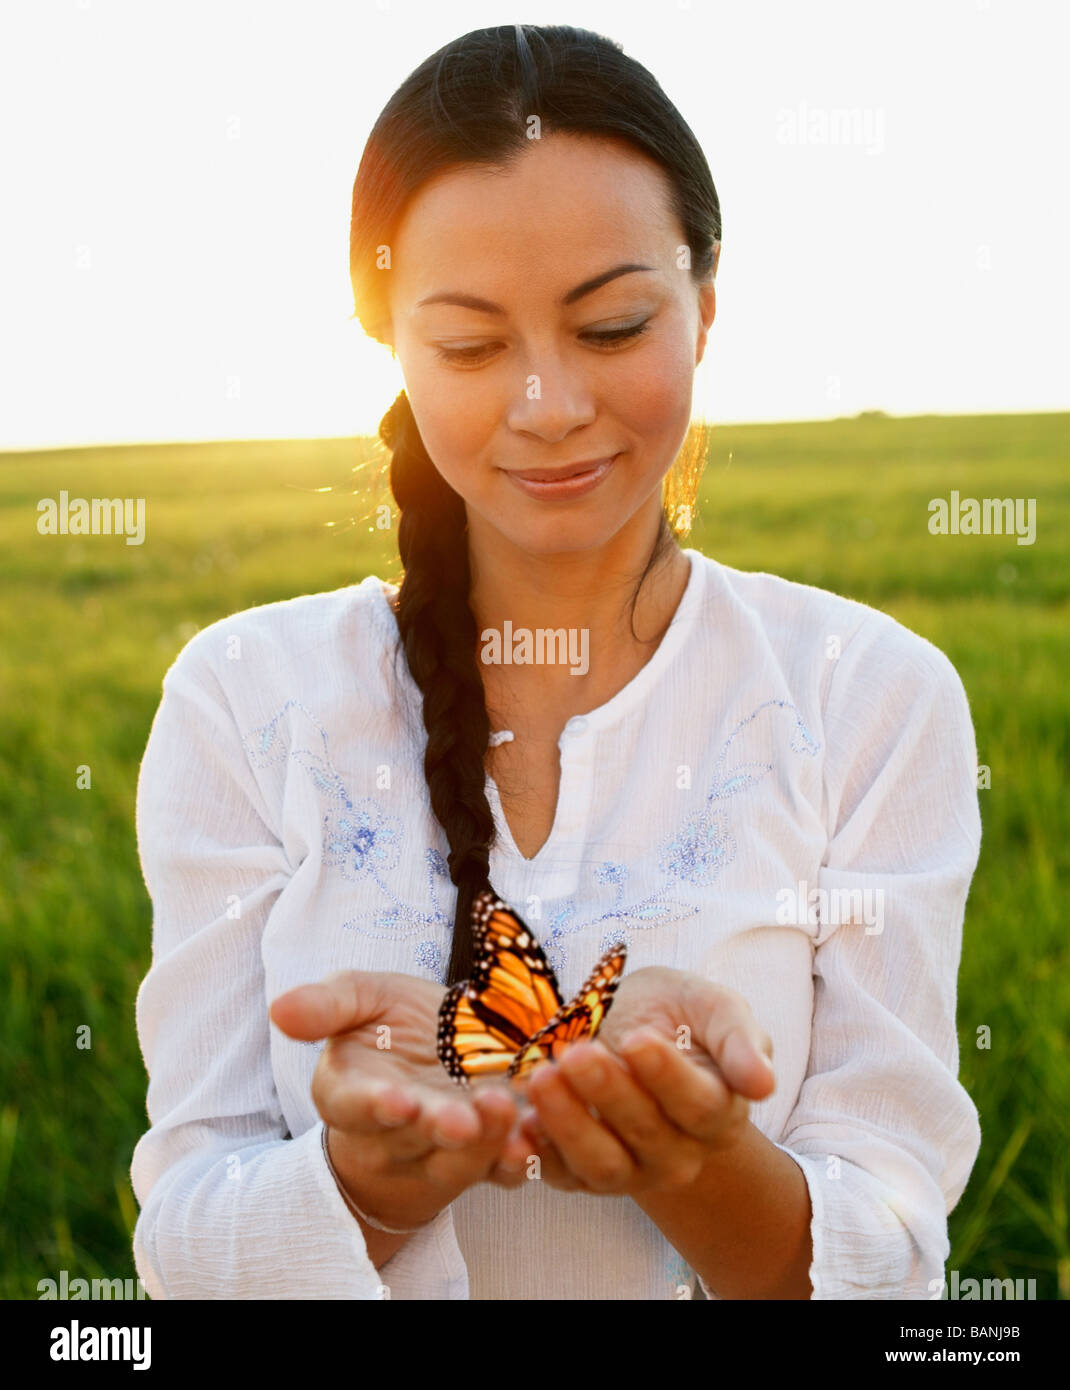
723 762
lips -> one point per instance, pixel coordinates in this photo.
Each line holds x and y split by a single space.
557 475
563 484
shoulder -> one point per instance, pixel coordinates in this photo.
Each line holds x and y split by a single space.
275 642
830 630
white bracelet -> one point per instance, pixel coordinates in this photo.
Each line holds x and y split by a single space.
370 1220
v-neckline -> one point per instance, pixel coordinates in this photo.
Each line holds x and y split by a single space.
583 726
604 716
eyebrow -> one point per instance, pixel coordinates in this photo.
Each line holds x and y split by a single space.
486 306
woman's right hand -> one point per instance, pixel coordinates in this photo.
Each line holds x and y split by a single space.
404 1138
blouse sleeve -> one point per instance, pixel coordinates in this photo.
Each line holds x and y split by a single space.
882 1129
232 1206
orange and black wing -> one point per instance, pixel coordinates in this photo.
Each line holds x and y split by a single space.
581 1018
512 995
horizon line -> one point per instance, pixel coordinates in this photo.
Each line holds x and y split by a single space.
874 413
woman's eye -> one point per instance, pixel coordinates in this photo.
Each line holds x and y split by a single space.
468 354
618 335
607 337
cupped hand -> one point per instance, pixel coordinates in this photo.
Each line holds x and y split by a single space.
404 1138
664 1087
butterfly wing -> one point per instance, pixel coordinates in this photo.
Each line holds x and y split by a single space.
513 994
469 1044
580 1018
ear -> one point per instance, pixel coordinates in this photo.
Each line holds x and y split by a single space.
707 305
707 308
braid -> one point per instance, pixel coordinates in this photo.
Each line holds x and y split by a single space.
439 638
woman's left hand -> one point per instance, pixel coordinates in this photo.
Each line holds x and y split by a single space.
668 1077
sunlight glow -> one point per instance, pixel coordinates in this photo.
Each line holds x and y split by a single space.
176 237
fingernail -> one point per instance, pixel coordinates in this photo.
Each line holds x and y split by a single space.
484 1101
586 1063
391 1107
447 1141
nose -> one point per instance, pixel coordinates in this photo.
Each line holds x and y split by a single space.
551 400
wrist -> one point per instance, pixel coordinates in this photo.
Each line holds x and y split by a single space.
399 1206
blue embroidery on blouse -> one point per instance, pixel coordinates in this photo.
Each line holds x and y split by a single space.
357 838
365 844
695 854
429 957
360 840
698 852
677 1271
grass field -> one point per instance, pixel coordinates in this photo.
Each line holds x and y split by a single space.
90 624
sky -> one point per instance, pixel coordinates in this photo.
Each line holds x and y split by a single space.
176 181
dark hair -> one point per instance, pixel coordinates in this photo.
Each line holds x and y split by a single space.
470 103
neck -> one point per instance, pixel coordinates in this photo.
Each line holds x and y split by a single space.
583 590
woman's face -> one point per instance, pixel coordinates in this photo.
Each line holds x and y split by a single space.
525 381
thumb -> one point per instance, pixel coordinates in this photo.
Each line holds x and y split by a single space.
731 1035
332 1005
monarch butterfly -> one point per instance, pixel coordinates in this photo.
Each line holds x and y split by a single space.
509 1017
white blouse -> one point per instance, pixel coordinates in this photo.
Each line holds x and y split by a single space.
783 799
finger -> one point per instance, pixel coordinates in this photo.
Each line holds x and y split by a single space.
521 1156
722 1019
517 1147
744 1056
460 1166
407 1130
385 1117
588 1148
411 1117
668 1154
441 1141
332 1005
544 1162
446 1121
696 1101
512 1166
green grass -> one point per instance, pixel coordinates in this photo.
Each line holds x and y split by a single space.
90 624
